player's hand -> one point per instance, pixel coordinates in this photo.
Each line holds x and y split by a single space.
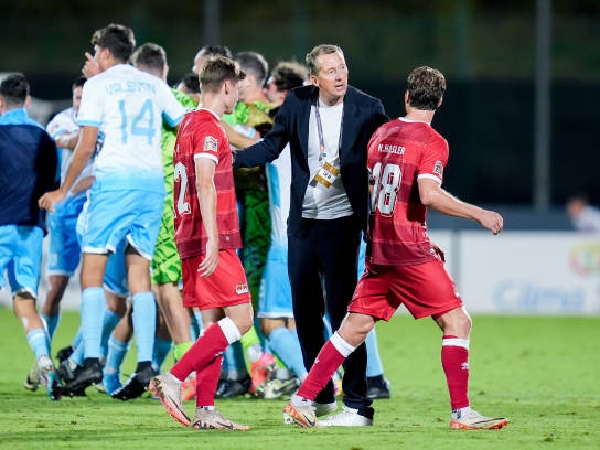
210 261
90 68
438 252
49 199
492 221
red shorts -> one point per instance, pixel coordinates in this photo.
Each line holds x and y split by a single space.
226 286
425 290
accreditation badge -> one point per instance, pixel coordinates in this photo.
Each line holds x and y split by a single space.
327 174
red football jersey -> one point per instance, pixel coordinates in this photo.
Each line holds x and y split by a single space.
201 136
399 153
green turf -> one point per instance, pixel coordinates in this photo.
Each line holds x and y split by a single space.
542 373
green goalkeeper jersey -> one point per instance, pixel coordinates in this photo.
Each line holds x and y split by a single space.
167 143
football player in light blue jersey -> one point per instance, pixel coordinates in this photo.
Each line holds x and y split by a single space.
127 195
65 250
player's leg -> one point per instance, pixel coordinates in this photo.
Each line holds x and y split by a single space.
162 343
143 229
234 379
283 342
176 317
51 308
21 257
339 243
275 313
370 302
219 291
143 318
118 345
377 385
116 307
342 344
456 326
105 220
256 247
93 305
428 290
64 254
166 274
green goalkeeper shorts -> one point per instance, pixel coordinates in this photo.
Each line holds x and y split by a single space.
166 265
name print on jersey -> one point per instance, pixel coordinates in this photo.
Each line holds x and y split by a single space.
129 87
389 148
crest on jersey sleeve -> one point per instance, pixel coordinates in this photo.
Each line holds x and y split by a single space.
438 168
210 144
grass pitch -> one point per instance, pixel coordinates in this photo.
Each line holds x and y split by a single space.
541 372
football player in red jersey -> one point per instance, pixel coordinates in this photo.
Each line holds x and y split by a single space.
406 159
207 236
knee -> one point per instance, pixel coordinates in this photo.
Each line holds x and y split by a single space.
462 324
268 325
466 324
364 331
244 322
355 328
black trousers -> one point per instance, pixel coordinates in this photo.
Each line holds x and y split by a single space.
322 265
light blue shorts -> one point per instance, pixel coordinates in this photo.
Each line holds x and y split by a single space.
115 215
115 276
64 250
21 257
275 293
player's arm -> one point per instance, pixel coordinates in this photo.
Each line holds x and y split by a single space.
432 195
83 185
207 197
67 140
84 150
272 144
238 140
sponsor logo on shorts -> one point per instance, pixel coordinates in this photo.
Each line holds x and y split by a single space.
241 288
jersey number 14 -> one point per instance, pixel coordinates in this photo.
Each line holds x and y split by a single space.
141 125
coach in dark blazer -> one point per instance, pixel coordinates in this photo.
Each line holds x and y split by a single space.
327 212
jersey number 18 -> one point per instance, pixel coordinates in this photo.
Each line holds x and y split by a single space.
385 187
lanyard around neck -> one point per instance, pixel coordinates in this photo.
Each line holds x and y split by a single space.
322 153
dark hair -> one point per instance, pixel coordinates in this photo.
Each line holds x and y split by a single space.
216 70
425 87
79 82
216 50
117 38
255 64
579 197
191 81
288 75
318 50
14 89
151 57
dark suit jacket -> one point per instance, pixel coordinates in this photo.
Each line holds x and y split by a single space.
363 114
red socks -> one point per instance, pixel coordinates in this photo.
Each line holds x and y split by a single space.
455 362
211 345
207 381
322 370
